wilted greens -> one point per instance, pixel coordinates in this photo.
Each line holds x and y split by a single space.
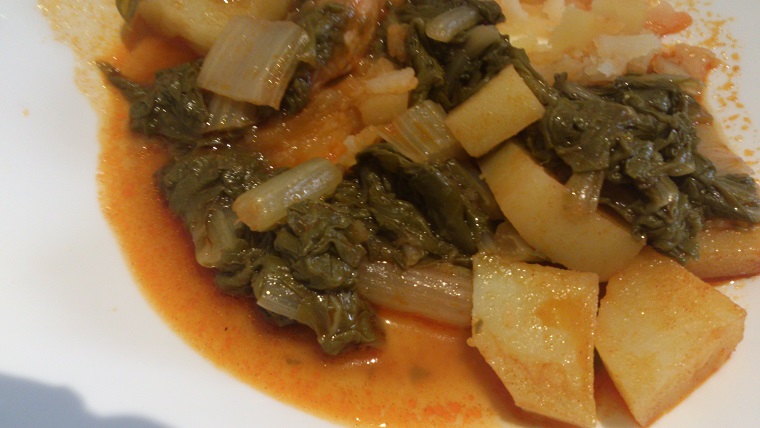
388 208
302 271
630 144
199 189
451 71
639 133
172 107
325 23
455 207
175 108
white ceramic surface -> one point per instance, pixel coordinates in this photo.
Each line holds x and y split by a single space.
79 346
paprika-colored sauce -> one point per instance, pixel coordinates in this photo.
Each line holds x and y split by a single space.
421 374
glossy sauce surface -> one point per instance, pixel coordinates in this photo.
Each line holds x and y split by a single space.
421 374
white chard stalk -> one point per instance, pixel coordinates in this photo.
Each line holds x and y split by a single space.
254 60
266 204
441 292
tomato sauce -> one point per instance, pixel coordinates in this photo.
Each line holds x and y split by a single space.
398 381
421 373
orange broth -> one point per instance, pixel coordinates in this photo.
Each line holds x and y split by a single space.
421 374
398 381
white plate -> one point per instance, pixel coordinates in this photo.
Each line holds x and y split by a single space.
78 344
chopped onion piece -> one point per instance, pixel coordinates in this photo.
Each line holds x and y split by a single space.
420 133
254 60
441 292
447 25
266 204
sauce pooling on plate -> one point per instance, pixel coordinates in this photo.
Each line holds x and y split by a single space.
421 374
398 381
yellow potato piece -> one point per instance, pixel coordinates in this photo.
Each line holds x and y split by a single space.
534 325
498 111
534 202
726 252
200 21
661 331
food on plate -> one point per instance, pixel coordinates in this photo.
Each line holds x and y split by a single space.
726 252
534 325
536 205
476 163
199 21
480 128
661 331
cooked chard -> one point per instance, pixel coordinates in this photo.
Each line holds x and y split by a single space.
254 60
304 268
639 133
436 191
629 145
437 291
172 107
340 319
325 24
451 71
264 206
303 257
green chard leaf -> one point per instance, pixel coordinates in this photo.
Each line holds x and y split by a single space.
200 189
639 132
318 247
176 109
449 73
429 72
440 192
340 318
325 24
303 271
489 11
172 107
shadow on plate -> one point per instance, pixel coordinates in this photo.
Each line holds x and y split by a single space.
26 403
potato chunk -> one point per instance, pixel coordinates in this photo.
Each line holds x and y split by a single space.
200 21
498 111
726 252
534 325
661 331
533 201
